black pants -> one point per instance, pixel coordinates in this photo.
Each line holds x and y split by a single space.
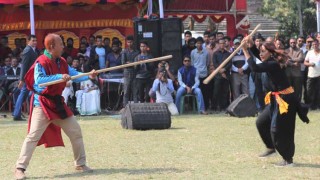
283 126
263 124
277 130
143 88
221 93
205 89
313 87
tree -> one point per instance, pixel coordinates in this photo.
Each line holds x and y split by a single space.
296 17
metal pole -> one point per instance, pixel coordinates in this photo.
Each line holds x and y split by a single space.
161 9
31 17
318 16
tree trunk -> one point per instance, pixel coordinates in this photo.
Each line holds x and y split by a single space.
300 18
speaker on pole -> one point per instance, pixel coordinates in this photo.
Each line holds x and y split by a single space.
163 36
144 116
171 41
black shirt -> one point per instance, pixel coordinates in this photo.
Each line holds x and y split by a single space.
275 73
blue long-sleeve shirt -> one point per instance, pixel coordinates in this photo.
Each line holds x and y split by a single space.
40 76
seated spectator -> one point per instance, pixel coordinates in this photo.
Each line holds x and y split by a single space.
7 65
188 78
88 98
1 83
163 87
68 92
12 85
76 65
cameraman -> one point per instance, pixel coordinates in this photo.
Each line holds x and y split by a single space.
164 66
163 87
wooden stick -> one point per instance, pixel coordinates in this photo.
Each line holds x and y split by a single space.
215 72
109 69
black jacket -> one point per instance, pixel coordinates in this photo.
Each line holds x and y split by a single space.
28 57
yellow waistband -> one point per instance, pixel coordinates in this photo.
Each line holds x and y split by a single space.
283 106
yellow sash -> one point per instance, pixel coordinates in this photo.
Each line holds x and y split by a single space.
283 106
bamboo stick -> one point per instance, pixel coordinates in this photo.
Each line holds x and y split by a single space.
110 69
215 72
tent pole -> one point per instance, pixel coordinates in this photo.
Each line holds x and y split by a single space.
32 17
161 9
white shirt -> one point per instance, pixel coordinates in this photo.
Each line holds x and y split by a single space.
312 57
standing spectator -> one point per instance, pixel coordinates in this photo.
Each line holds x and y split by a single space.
92 41
301 45
69 50
186 50
29 55
98 55
106 43
16 51
23 42
219 35
221 80
206 40
312 61
255 78
4 48
163 86
187 37
144 73
84 40
239 72
279 44
127 56
227 45
293 70
114 58
83 51
188 78
200 60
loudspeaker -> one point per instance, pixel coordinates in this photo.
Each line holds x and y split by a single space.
243 106
148 30
171 41
163 37
144 116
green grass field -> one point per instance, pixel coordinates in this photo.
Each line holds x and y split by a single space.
196 147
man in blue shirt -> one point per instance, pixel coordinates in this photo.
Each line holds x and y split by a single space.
188 78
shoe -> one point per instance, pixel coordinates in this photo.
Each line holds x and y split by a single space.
203 113
18 119
23 116
285 163
84 169
19 174
268 153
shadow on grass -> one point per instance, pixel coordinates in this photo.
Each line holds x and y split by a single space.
307 165
121 170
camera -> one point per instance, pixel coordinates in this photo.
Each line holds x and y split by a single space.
163 64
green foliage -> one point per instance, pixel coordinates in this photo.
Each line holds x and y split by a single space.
286 12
